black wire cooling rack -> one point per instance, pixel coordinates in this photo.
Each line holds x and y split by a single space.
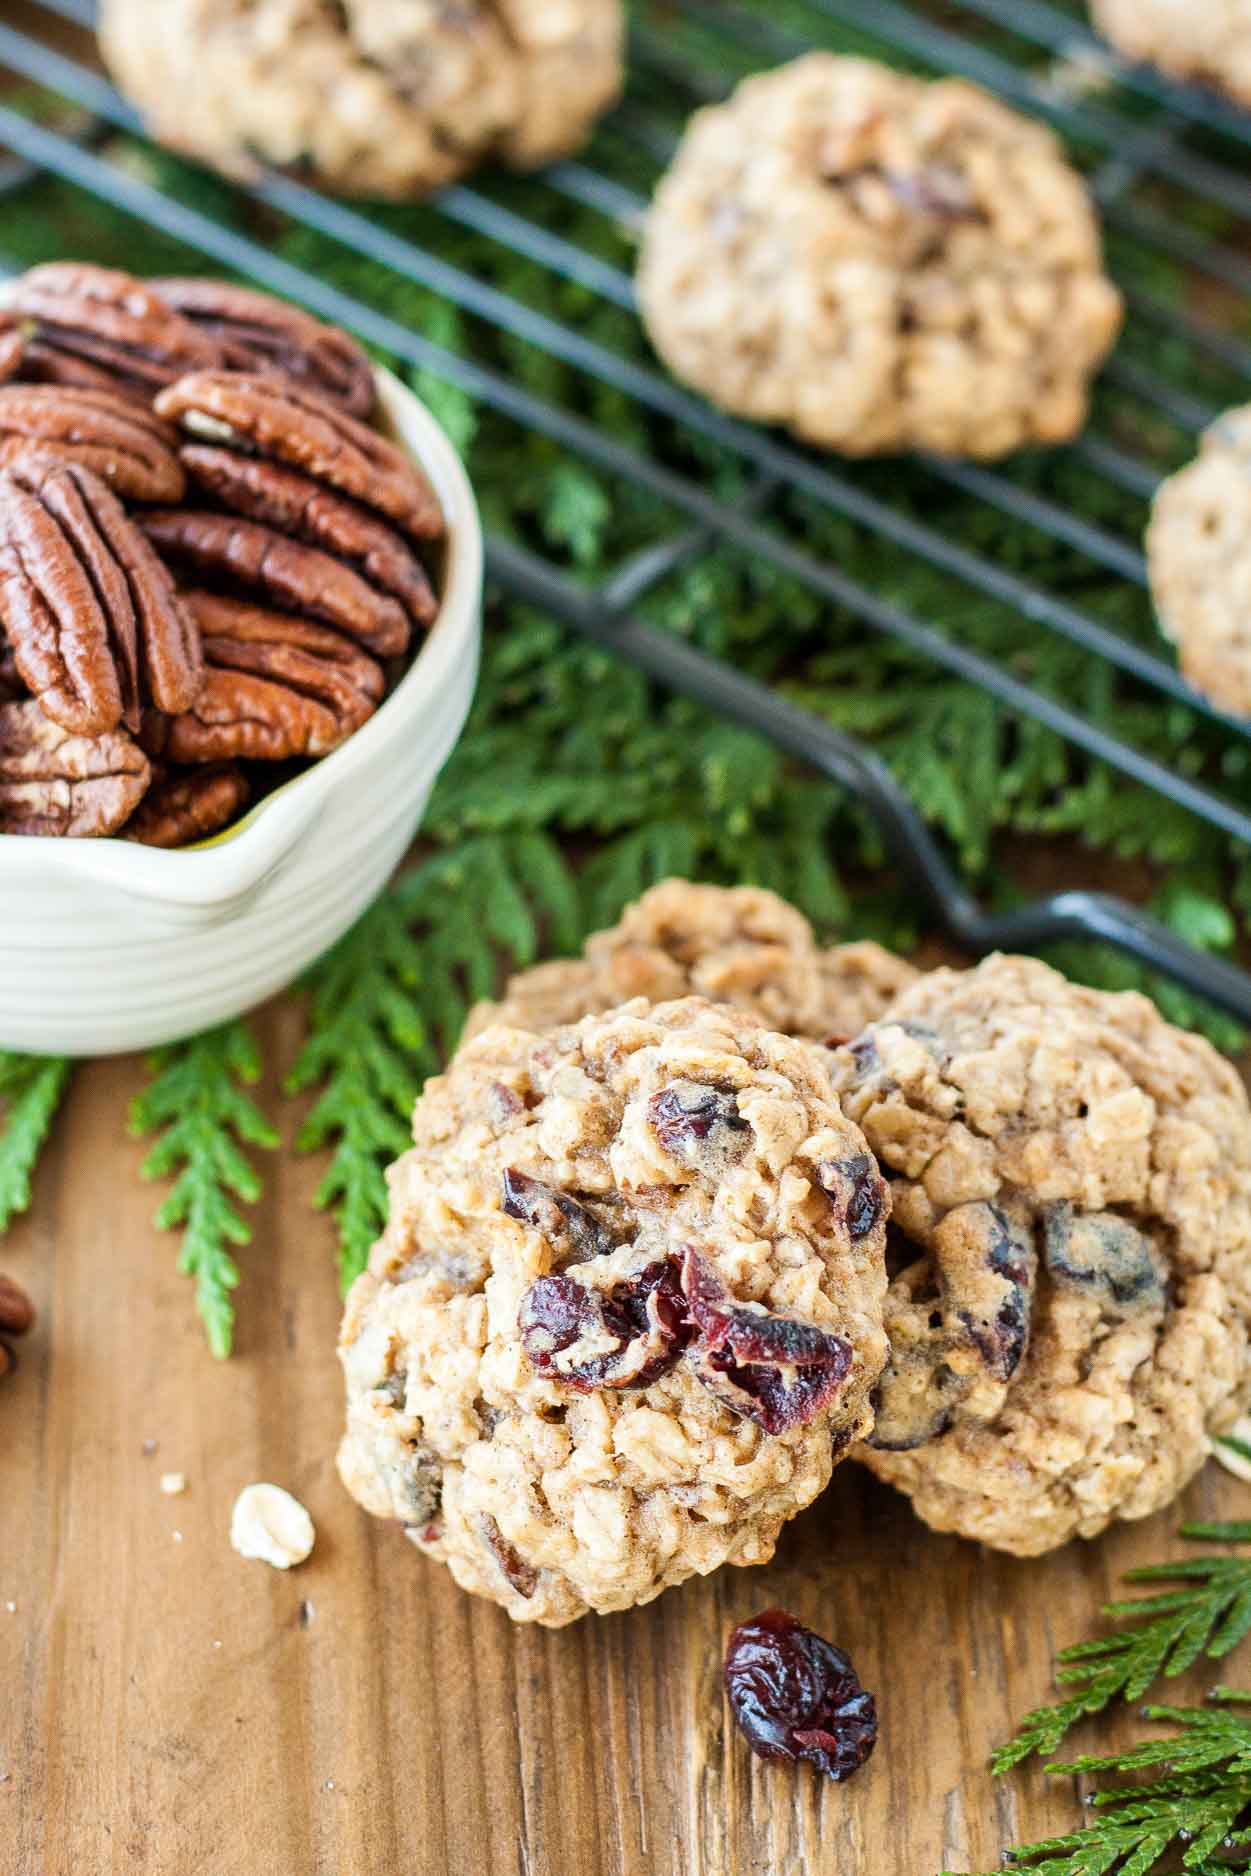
1144 141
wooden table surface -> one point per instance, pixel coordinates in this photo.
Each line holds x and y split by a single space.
169 1707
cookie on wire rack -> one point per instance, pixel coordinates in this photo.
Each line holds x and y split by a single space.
371 97
879 263
1199 559
1208 41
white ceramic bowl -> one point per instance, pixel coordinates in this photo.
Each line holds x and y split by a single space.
107 946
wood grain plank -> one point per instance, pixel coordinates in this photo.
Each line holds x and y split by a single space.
174 1711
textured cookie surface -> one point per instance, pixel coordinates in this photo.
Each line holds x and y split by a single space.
627 1311
1199 557
374 97
879 263
1071 1182
1207 40
732 944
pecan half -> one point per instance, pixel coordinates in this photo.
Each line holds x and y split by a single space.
11 685
290 425
180 809
256 332
52 782
294 504
127 446
98 327
250 555
90 610
276 687
13 343
17 1316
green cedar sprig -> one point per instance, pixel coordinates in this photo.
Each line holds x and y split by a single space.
1208 1615
198 1102
1194 1812
31 1090
388 1002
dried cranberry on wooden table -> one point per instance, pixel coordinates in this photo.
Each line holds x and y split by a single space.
796 1696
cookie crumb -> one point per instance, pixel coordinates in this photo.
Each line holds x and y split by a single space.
173 1484
307 1614
177 1536
271 1526
11 1607
149 1447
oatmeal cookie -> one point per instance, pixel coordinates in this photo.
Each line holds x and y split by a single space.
1071 1186
1207 40
371 97
626 1313
731 944
879 263
1199 559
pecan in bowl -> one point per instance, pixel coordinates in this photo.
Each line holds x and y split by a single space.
178 941
312 541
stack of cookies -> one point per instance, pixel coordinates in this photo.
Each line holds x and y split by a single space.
696 1216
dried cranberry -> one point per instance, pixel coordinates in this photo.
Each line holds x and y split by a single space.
993 1306
559 1217
857 1192
520 1575
776 1370
796 1696
697 1123
645 1317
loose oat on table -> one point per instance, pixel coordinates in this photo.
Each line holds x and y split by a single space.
1205 40
732 944
1068 1317
371 97
268 1525
626 1313
1199 559
879 263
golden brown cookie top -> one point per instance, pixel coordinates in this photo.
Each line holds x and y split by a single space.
1071 1181
640 1259
880 263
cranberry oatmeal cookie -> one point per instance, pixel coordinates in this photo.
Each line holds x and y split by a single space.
370 97
1199 559
879 263
1207 40
1071 1187
626 1314
732 944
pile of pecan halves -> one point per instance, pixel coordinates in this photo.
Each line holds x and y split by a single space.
209 558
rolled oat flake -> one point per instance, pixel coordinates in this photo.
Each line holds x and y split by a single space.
268 1524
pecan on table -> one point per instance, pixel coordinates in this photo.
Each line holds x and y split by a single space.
184 807
96 624
276 687
258 333
52 782
127 445
98 327
309 582
294 504
281 421
17 1315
